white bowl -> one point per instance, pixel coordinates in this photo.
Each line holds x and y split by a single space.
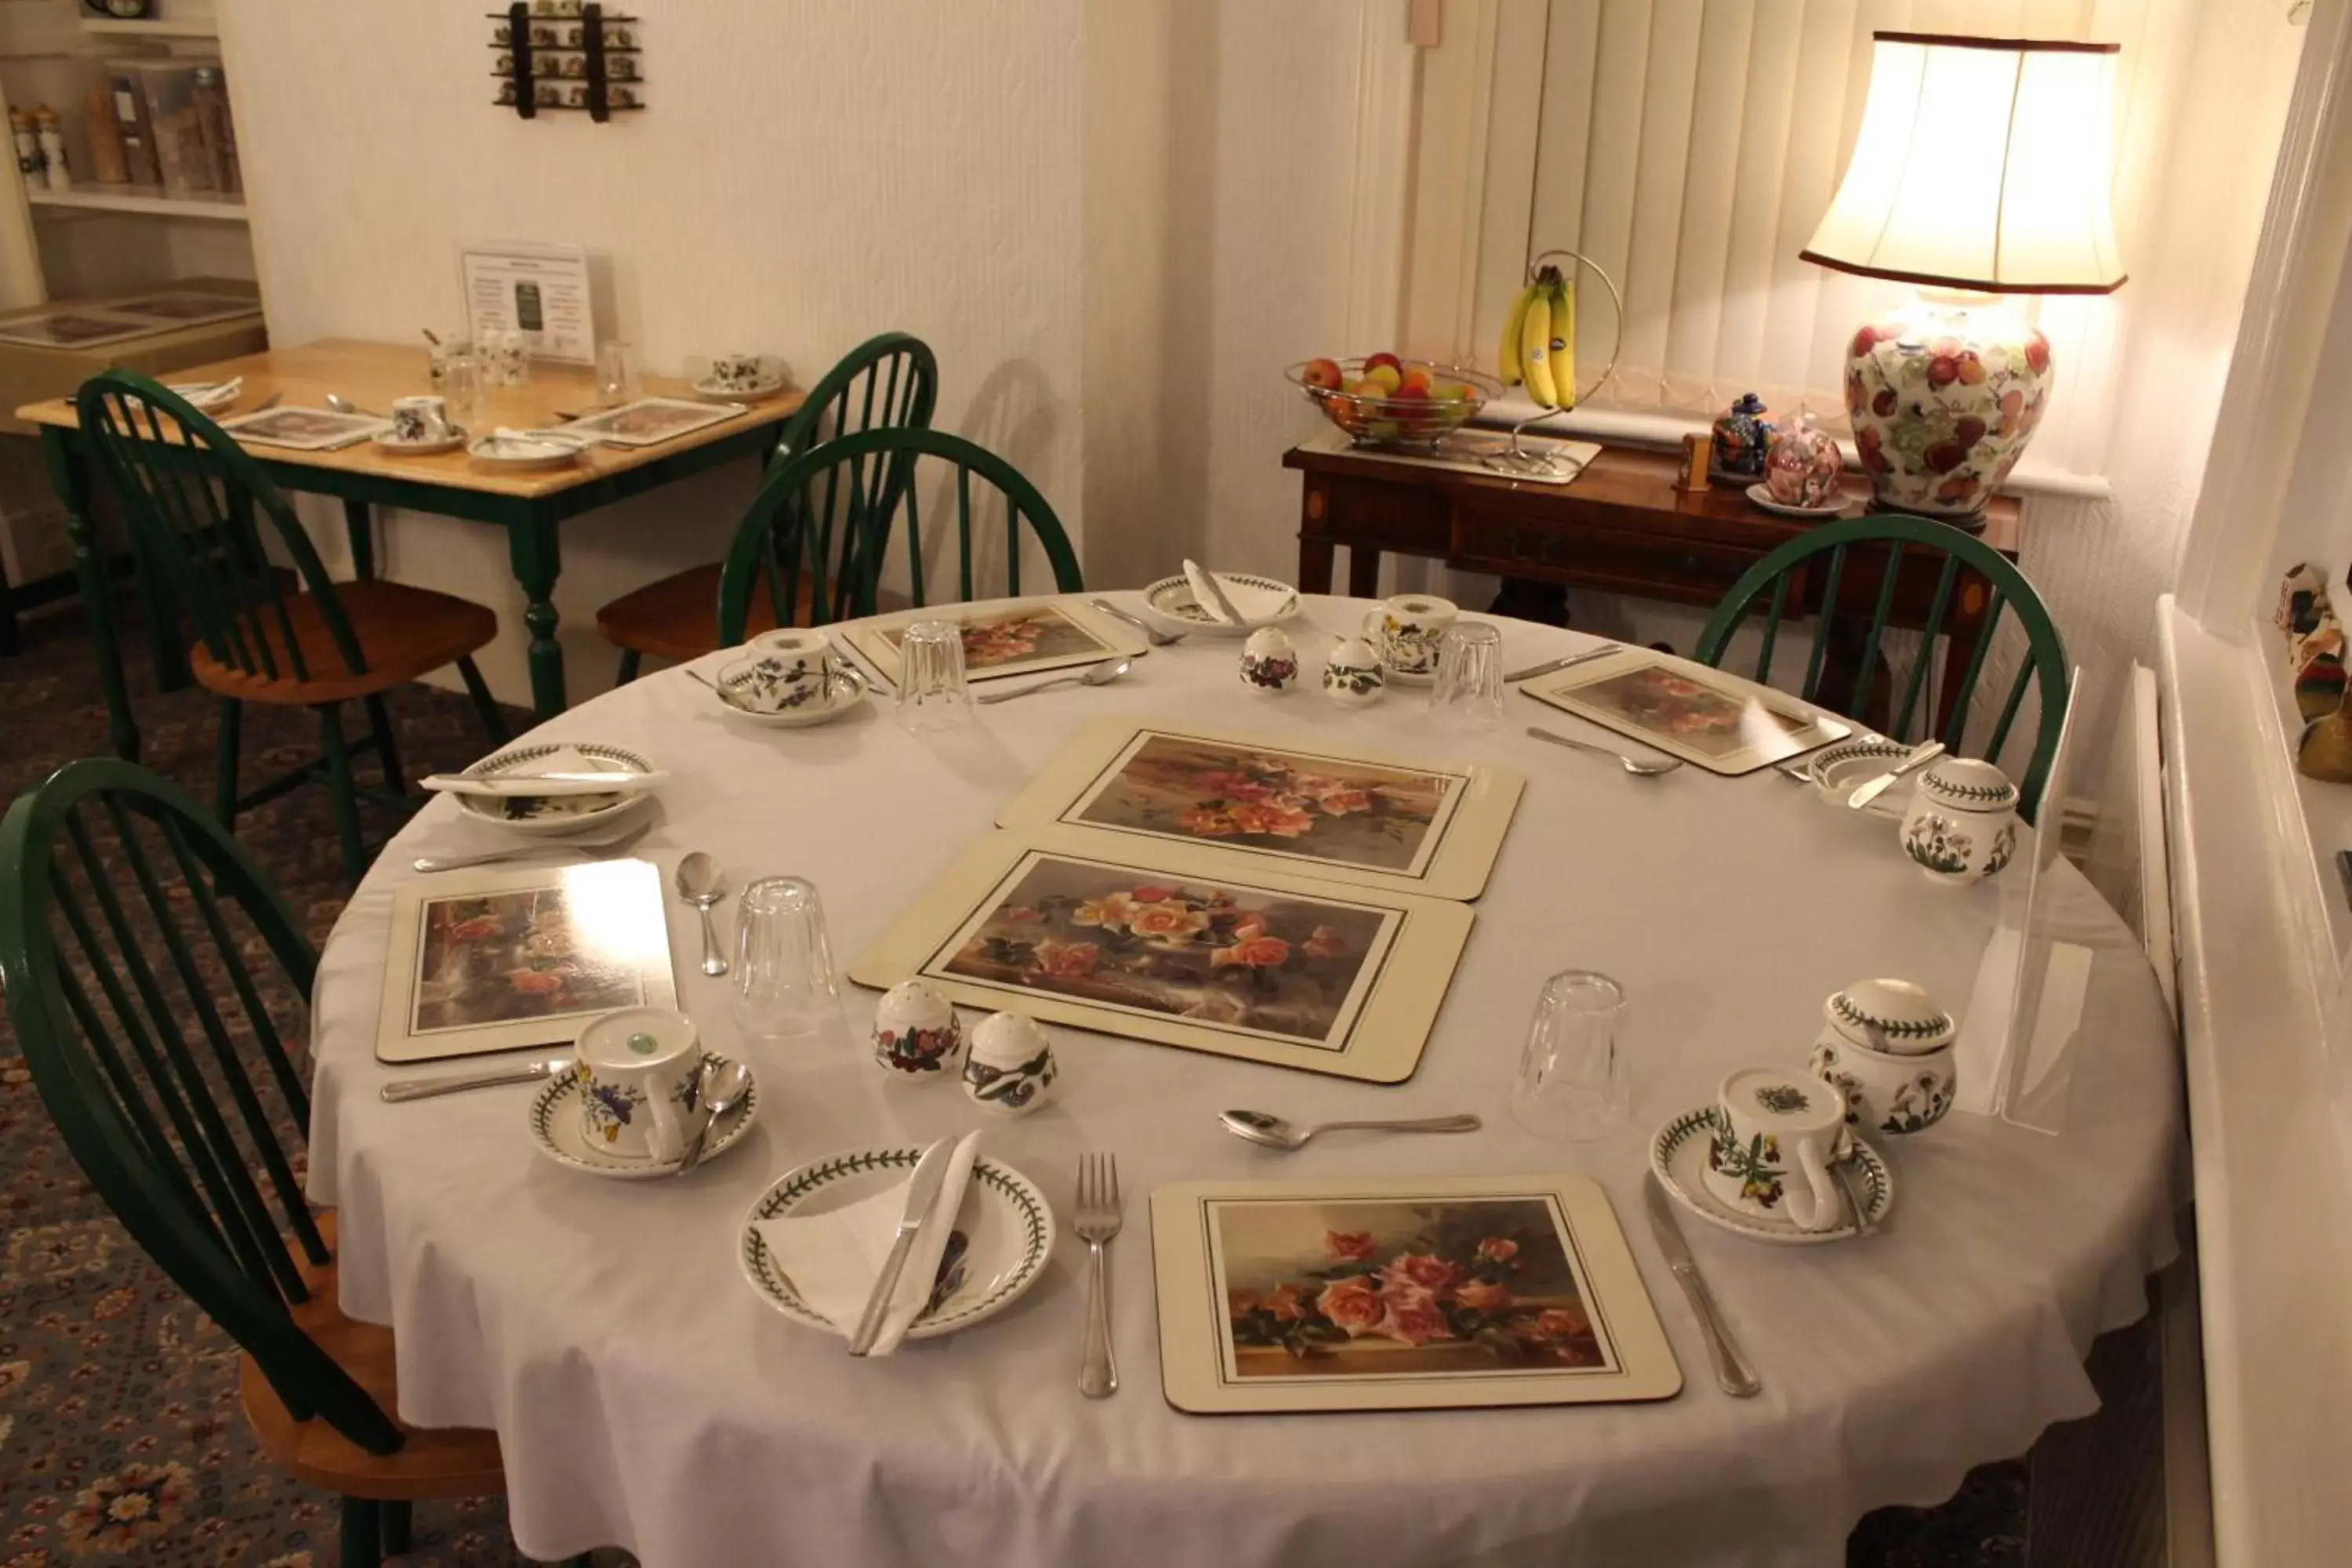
524 454
1838 771
1168 602
553 816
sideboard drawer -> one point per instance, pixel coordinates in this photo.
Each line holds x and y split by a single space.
1655 565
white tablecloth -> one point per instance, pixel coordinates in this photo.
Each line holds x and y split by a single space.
646 1397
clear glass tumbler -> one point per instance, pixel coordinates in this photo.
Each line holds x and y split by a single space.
1574 1081
783 978
457 377
617 376
931 691
1468 684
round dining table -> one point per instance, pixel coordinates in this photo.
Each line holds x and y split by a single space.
645 1395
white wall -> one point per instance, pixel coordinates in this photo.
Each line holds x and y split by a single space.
807 173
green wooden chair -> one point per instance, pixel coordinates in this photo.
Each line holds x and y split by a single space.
196 502
889 382
1881 542
848 492
130 929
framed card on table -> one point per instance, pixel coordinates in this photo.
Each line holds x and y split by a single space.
1252 804
1167 947
1706 716
1400 1293
1030 637
496 961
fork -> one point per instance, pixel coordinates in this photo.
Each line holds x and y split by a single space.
1097 1222
1157 637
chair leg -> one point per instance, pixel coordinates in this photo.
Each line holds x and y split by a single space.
362 1543
493 720
393 1528
230 714
339 786
386 748
630 658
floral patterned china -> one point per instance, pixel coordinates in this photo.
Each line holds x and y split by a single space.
1353 674
558 1133
1776 1133
554 815
1962 824
1679 1154
639 1070
1011 1069
1405 632
1763 498
915 1034
1907 1017
792 678
1269 661
1005 1223
1803 470
1262 601
1837 770
1884 1092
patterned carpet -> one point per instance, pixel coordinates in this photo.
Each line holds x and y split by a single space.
121 1441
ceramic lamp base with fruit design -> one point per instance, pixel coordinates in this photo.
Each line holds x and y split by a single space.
1944 397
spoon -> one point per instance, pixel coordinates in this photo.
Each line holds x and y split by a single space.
1101 674
1259 1127
700 883
722 1086
345 406
1637 766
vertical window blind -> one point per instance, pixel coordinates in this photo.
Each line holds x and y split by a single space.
1690 146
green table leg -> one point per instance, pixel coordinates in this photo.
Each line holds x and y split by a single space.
531 545
359 522
69 474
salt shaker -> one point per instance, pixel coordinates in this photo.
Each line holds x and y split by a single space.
1011 1068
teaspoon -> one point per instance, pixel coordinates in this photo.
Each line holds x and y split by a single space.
700 884
721 1086
1639 767
1094 675
345 406
1259 1127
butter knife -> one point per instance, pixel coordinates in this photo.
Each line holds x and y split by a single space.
922 1191
1731 1369
1927 752
1553 665
404 1088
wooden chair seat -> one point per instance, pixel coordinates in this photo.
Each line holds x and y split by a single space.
402 633
435 1462
677 618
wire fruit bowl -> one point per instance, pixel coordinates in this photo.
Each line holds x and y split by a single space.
1398 423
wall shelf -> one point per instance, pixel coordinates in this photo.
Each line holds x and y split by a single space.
148 27
224 209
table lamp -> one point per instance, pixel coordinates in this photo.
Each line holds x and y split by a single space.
1981 173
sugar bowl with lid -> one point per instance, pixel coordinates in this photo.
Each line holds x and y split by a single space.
1962 825
1887 1047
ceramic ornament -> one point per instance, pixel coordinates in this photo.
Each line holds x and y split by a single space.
1269 661
916 1034
1011 1068
1352 676
1803 466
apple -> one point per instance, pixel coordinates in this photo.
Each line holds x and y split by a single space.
1322 373
1388 376
1417 376
1388 361
1367 387
1451 391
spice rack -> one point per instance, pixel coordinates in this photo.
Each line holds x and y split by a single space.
566 57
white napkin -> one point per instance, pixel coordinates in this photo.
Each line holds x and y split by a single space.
833 1260
1198 577
1254 604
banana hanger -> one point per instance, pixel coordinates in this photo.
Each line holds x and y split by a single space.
1539 348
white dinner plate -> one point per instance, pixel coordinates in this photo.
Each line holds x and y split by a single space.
524 454
1170 600
1007 1226
844 692
1763 498
1838 771
1679 1155
556 1132
553 816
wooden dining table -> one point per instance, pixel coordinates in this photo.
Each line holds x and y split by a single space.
531 507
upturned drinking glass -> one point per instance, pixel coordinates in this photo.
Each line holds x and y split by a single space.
617 378
933 694
1468 684
1574 1081
783 977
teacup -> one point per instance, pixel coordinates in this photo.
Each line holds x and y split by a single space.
788 670
1777 1132
639 1070
420 419
1406 631
738 372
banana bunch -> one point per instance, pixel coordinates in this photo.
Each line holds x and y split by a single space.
1539 339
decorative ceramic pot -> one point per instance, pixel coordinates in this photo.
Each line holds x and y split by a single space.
916 1034
1269 662
1011 1069
1943 399
2302 602
1903 1017
1803 466
1962 825
1352 676
1742 433
1884 1092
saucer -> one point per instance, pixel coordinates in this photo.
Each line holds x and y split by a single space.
555 1128
392 444
1763 498
1006 1223
711 392
1837 770
1678 1156
524 454
845 690
553 816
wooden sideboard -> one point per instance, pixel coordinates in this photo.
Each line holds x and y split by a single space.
1621 527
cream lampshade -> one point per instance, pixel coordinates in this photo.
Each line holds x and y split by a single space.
1982 168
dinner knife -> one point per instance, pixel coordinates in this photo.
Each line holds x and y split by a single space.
403 1089
1553 665
1927 751
922 1191
1731 1368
